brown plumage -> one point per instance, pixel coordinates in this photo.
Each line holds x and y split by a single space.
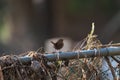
58 45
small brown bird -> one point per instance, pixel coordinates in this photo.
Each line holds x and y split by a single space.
58 45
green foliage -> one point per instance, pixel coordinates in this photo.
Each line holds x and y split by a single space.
75 6
84 6
2 8
108 6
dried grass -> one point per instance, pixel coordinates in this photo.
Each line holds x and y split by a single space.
41 69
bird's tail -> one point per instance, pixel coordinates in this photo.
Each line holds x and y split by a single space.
52 42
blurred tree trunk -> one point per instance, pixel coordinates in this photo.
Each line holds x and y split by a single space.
21 13
59 20
30 22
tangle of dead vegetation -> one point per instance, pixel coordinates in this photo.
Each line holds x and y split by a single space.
42 69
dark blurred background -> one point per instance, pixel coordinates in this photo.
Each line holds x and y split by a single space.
27 24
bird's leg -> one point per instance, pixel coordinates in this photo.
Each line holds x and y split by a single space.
58 58
57 53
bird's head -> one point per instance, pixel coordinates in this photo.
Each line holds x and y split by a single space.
60 40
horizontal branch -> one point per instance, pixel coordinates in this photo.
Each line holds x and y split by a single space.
109 51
